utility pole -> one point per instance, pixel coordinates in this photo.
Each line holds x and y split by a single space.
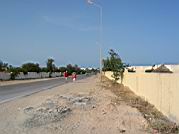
100 32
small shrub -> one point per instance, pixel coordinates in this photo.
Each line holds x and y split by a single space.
14 74
131 70
148 70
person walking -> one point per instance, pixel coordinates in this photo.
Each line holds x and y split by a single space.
74 76
66 75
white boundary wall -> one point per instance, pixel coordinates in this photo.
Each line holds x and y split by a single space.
161 90
29 75
4 76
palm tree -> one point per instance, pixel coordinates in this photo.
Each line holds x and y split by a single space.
3 66
50 65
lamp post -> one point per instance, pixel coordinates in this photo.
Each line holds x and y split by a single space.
100 31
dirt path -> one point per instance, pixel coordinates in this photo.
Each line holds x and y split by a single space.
83 107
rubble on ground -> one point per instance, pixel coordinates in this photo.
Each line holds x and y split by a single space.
44 115
55 109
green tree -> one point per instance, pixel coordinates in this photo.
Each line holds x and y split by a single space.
74 68
50 66
31 67
3 66
106 64
14 71
77 69
114 64
62 69
70 69
44 69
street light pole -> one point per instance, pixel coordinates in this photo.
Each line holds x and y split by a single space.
100 32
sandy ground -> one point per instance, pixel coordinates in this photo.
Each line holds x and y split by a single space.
82 107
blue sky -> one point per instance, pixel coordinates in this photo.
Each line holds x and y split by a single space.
141 31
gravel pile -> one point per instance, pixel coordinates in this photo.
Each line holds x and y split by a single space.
46 113
79 101
55 109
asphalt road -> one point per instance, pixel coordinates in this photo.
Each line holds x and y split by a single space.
11 92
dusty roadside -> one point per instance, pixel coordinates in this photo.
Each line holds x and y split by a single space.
85 106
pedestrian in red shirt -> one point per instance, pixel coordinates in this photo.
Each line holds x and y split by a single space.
66 75
74 76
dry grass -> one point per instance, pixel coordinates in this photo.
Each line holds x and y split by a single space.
156 120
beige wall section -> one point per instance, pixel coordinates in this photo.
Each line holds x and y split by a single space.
161 90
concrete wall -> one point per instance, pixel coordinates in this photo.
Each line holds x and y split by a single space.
4 76
161 90
56 74
29 75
